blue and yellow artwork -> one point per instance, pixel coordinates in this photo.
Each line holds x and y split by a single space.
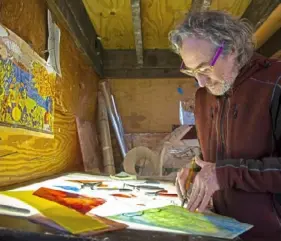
178 219
27 88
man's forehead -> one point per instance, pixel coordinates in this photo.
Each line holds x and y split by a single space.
195 51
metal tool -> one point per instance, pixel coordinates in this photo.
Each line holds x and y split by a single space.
145 187
113 189
163 193
91 185
14 209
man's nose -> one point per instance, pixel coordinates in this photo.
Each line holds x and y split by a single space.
202 79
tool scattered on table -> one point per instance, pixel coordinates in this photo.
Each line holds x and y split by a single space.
145 187
163 193
151 182
114 189
13 209
91 185
122 195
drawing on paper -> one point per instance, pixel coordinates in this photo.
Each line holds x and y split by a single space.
75 201
27 88
179 219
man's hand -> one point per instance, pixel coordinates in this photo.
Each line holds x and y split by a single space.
204 186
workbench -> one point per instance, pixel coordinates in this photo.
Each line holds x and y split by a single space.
14 229
20 229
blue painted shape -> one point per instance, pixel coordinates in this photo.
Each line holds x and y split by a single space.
180 90
69 188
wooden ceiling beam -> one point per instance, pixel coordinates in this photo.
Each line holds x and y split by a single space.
160 63
272 45
277 55
136 15
259 10
72 15
269 27
200 5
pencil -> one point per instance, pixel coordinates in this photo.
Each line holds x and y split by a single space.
188 181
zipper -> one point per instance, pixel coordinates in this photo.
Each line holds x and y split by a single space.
275 211
210 131
222 149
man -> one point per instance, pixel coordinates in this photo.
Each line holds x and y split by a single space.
238 121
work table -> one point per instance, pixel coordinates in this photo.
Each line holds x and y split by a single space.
16 229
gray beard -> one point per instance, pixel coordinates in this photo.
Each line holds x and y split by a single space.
226 87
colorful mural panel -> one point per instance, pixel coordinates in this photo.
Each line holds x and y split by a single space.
27 88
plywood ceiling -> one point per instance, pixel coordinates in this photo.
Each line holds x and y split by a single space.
112 19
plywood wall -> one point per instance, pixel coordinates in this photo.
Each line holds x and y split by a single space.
23 157
112 19
150 105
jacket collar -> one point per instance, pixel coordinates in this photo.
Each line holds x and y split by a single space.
257 63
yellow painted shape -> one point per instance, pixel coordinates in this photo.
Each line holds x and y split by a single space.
234 7
69 219
150 105
16 113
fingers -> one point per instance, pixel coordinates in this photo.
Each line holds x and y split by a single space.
179 191
182 178
194 203
194 194
200 162
205 202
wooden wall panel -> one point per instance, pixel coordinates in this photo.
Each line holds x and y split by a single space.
24 157
150 105
112 19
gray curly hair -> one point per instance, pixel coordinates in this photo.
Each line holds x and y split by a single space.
217 27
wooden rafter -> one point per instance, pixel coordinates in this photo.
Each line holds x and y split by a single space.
136 15
269 27
161 63
272 46
72 14
200 5
277 55
259 10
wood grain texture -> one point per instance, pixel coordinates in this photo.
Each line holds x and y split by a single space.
272 45
72 14
112 20
158 18
234 7
150 105
259 10
277 55
23 157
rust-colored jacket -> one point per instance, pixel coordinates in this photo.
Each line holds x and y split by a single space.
241 132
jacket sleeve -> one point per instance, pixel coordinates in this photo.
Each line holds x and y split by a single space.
251 175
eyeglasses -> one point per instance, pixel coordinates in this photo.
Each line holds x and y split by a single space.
203 70
141 213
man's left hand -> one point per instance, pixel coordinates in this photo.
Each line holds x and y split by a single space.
204 186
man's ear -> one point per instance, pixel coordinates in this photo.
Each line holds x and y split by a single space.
232 55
